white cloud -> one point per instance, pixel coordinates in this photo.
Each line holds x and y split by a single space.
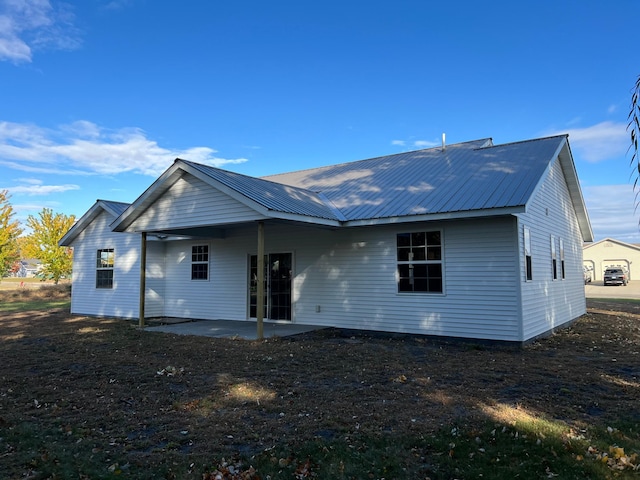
612 212
414 143
30 181
603 141
26 25
84 148
41 190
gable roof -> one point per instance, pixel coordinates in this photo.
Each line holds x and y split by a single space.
467 179
115 209
612 240
471 176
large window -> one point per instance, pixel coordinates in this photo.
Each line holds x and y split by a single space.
200 262
419 256
527 254
104 268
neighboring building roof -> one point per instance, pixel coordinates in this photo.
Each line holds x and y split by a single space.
114 208
612 240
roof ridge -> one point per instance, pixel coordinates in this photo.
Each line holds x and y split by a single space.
519 142
112 201
437 147
262 179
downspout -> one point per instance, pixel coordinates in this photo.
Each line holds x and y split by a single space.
143 276
260 292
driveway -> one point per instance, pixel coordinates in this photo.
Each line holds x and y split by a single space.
598 290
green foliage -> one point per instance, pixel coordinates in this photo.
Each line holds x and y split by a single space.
9 232
47 230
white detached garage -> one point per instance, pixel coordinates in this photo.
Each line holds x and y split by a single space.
474 240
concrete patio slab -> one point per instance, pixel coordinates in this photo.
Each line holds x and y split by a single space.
232 329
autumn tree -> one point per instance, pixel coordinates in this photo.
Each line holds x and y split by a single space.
9 232
42 243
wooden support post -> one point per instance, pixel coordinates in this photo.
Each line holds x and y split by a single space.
260 292
143 276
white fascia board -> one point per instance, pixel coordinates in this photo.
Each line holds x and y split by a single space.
295 217
259 208
573 183
491 212
168 178
81 224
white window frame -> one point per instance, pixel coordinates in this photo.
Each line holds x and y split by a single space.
433 255
528 257
554 259
563 271
200 256
104 265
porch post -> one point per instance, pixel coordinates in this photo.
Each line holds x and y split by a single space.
260 292
143 276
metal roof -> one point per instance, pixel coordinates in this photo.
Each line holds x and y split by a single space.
116 207
113 208
465 179
460 178
273 196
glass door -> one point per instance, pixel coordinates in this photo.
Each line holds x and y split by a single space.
277 286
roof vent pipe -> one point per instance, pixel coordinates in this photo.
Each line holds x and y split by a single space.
444 146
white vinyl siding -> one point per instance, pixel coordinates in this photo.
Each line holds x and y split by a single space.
345 277
190 202
547 304
155 280
351 276
120 301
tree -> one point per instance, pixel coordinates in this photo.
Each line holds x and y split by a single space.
633 127
47 230
9 232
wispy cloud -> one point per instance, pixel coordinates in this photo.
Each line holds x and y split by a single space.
84 148
28 25
414 143
603 141
612 212
40 190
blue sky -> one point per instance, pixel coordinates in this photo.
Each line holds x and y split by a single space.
98 97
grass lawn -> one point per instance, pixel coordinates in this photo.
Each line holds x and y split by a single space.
33 296
98 398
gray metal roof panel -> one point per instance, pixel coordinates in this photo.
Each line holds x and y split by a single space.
462 177
273 196
116 207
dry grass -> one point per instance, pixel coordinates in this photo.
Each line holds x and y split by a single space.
116 395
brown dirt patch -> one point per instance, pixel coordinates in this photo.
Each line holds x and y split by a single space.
147 396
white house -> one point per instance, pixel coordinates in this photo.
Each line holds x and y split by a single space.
474 240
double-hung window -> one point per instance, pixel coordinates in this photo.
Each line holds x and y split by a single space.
419 257
105 261
200 262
